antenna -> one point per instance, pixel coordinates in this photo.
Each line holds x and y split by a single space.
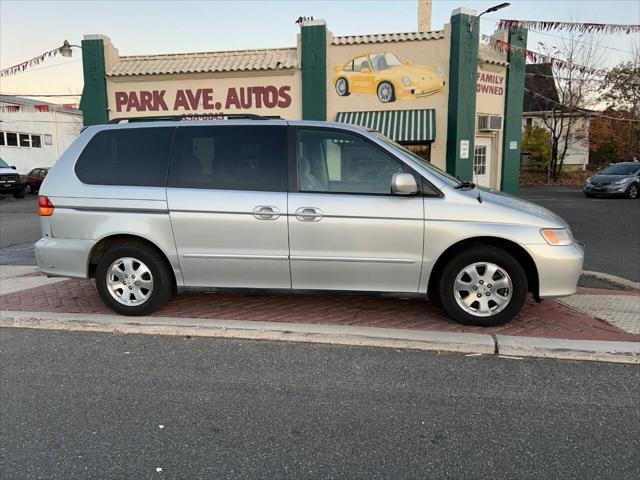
475 172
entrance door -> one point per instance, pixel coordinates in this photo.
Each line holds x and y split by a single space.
346 230
482 162
227 199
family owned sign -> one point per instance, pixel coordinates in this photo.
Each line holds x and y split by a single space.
189 100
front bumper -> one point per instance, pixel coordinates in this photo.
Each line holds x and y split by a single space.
559 268
63 257
419 91
609 189
11 187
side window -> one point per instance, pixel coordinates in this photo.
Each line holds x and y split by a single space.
348 67
360 63
132 156
228 157
334 162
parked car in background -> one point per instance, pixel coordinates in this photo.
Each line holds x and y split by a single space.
34 179
618 179
10 181
153 207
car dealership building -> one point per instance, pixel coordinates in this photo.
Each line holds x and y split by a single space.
441 93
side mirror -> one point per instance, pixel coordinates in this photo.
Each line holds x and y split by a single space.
365 70
13 166
407 62
403 184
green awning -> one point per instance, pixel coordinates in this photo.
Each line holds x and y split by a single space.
399 125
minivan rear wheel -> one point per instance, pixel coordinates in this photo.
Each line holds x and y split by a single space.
483 286
132 280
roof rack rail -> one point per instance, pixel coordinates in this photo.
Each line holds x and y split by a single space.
188 117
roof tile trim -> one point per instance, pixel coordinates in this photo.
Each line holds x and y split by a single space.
200 62
387 37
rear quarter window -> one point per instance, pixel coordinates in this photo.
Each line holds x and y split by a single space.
131 157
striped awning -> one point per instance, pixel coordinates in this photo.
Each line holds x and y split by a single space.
399 125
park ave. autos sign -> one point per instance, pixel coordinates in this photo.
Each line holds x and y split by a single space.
203 99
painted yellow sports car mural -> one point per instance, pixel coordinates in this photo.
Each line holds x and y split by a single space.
382 74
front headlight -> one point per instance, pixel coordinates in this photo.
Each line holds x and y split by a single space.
589 180
439 71
557 236
406 81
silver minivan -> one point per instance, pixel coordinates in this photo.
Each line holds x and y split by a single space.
153 208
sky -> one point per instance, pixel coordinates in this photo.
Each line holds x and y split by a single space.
31 27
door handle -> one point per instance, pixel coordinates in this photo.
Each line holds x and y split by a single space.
266 212
309 214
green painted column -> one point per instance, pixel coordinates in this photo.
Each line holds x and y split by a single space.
313 45
94 105
514 97
463 69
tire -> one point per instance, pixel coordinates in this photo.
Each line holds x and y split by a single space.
386 92
632 191
20 193
158 272
342 87
503 310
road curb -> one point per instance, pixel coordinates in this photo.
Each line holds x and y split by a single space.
254 330
613 279
606 351
594 350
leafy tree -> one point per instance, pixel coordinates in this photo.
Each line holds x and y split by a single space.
537 142
621 91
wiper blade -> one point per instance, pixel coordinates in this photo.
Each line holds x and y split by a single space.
465 184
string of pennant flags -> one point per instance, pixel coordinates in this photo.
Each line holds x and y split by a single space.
37 108
545 25
537 57
21 67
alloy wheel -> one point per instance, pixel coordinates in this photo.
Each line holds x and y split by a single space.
483 289
633 191
341 87
129 281
385 92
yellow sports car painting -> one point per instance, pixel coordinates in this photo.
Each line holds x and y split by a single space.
383 75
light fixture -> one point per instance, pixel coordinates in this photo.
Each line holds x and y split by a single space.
65 49
495 8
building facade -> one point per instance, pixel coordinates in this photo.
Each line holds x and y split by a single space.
33 133
440 93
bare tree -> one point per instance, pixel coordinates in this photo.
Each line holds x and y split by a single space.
565 111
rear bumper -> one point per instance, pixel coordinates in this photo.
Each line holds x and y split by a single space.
559 268
62 257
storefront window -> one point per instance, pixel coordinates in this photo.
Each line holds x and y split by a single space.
12 139
24 140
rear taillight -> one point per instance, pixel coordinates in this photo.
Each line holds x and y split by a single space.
45 206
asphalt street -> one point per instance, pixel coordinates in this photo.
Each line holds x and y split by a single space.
85 405
609 227
19 230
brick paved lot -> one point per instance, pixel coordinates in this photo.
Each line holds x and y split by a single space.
549 319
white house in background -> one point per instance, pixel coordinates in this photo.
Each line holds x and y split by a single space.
35 133
540 100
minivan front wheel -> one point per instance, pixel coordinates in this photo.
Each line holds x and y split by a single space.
483 286
132 280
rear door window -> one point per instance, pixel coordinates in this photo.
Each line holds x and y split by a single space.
228 157
132 157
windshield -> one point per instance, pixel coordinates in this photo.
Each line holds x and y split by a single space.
441 175
620 170
3 164
382 61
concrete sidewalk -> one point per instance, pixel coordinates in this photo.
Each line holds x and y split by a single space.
595 324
